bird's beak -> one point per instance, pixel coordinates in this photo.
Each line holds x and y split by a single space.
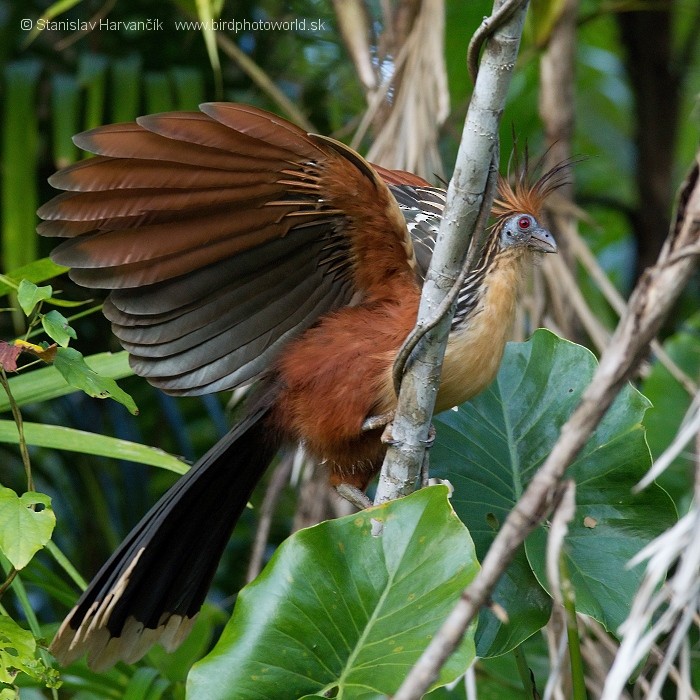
542 240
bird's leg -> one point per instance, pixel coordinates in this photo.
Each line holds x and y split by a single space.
354 495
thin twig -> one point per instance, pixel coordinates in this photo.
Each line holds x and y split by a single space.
615 299
280 477
11 574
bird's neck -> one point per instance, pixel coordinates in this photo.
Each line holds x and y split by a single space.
476 342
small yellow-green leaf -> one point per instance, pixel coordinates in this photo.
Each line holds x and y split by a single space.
29 295
71 364
57 328
24 530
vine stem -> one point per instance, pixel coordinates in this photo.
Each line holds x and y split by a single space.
17 415
578 679
24 452
525 673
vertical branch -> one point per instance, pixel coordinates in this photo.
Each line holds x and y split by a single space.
465 201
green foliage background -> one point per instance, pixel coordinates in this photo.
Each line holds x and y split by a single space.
59 82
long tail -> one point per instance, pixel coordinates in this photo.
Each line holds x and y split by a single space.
152 587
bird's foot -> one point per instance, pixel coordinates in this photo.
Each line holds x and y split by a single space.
354 495
382 420
430 440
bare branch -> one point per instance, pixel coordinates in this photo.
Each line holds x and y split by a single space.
465 200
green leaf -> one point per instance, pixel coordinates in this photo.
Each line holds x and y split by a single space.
340 610
189 87
29 295
140 684
57 437
47 383
71 364
15 644
57 328
19 653
37 271
23 530
158 93
126 86
65 118
491 447
528 606
92 76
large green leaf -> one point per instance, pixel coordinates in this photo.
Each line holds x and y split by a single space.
20 149
527 603
490 449
338 609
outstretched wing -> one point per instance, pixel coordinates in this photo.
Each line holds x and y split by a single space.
221 234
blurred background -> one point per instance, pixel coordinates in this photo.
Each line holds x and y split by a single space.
613 81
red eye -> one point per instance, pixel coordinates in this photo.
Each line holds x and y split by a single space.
524 223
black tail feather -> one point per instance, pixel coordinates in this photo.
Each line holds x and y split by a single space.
152 587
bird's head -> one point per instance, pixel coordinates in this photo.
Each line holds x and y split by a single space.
524 230
518 209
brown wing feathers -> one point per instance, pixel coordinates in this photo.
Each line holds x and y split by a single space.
220 234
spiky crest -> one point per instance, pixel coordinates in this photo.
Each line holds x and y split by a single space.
524 197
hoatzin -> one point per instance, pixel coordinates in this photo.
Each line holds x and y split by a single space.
237 247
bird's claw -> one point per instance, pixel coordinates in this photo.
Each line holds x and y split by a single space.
430 440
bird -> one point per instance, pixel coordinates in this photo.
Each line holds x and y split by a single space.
238 249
